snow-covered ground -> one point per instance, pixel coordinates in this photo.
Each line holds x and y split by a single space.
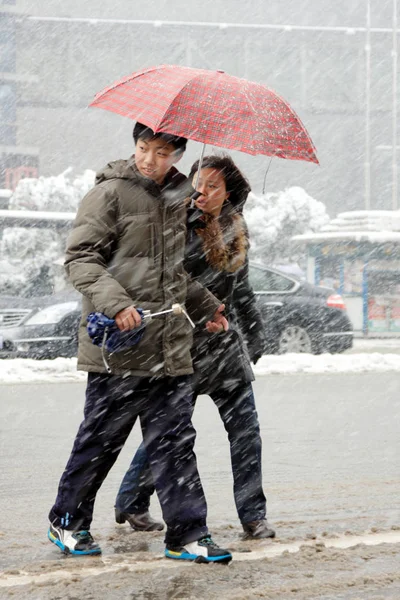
367 355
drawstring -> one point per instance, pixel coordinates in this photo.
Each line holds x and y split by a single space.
266 173
103 350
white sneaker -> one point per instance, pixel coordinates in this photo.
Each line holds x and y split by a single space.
200 551
73 542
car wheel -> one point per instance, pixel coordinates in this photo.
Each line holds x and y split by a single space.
294 338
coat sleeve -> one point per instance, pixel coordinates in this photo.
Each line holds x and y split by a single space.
248 314
200 303
89 249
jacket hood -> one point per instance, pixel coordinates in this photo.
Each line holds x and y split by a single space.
117 169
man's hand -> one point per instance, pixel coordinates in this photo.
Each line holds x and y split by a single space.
219 323
128 319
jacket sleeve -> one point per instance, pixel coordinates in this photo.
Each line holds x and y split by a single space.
201 304
248 314
89 249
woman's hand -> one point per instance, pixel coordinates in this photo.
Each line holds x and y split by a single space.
219 323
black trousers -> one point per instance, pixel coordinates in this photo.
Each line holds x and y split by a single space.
237 409
112 406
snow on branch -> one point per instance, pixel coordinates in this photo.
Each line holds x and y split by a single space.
274 218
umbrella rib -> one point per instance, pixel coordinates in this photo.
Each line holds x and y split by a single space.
302 128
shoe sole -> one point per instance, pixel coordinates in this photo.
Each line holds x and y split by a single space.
67 550
146 529
226 558
249 536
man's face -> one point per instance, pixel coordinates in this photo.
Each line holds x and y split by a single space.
154 158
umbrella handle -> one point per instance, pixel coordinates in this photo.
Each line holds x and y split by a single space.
177 309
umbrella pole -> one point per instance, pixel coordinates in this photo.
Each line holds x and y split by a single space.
196 194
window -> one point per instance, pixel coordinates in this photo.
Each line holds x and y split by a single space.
263 280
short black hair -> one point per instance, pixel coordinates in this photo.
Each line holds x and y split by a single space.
143 132
236 183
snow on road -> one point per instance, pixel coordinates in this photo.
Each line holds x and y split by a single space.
64 369
111 567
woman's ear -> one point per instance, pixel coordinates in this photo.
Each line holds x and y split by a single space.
227 195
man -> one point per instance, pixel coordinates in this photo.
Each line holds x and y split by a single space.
125 251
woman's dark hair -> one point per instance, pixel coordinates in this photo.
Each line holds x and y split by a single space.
236 183
143 132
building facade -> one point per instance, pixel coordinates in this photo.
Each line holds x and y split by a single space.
16 160
358 255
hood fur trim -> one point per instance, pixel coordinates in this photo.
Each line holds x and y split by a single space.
225 242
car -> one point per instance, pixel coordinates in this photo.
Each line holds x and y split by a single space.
40 327
298 317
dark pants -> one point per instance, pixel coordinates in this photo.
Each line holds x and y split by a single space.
238 412
112 406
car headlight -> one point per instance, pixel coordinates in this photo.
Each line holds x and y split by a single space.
52 314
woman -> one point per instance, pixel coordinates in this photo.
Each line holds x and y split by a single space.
216 255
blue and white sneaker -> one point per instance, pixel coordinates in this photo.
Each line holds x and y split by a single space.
200 551
73 542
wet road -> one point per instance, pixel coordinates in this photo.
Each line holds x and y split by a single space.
331 450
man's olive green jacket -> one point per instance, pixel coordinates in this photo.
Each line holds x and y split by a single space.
127 248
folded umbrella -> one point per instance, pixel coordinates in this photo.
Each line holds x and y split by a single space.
105 333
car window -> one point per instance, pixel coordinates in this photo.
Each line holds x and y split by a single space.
263 280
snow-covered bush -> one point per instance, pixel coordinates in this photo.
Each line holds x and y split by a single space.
28 254
60 193
26 266
275 217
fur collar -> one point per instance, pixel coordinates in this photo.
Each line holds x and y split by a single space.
225 242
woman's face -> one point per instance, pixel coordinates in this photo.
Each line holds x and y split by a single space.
212 186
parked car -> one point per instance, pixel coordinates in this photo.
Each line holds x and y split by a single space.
40 327
298 317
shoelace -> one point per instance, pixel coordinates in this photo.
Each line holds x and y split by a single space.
84 535
207 541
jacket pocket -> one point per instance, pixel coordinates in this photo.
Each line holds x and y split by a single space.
137 239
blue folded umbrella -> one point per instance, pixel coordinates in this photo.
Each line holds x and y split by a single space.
104 332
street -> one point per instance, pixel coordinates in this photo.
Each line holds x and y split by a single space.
330 449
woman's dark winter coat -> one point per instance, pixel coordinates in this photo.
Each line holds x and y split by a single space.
216 256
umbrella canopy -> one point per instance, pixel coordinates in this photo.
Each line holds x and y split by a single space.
211 107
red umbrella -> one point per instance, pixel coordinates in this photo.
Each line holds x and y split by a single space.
211 107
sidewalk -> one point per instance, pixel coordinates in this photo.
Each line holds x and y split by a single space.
381 345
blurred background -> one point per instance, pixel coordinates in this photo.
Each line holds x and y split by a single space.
334 62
